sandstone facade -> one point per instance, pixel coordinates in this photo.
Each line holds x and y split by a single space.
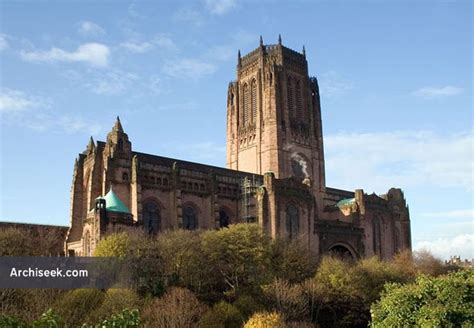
275 175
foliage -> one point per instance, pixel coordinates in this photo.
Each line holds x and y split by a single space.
183 263
240 254
287 299
178 307
22 242
248 305
12 322
114 245
291 260
342 292
49 319
444 301
222 315
77 305
115 301
126 319
14 242
265 320
27 304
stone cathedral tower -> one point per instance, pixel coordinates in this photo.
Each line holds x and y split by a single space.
274 117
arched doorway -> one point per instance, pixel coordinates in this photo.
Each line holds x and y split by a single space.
342 251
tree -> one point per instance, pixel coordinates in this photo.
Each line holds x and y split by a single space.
240 254
179 307
222 315
291 260
183 261
14 242
114 245
266 320
115 301
443 301
76 306
287 299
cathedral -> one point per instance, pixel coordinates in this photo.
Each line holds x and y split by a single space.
275 175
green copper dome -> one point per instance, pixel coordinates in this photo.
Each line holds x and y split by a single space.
113 203
345 202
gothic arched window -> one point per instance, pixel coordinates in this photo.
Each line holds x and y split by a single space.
246 103
254 100
299 109
223 219
151 217
189 218
292 221
289 95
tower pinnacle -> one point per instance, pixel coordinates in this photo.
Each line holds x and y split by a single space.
279 39
118 125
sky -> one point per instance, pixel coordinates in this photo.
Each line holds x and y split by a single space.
395 80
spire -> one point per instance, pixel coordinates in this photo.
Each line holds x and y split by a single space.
261 41
91 145
239 58
304 51
279 39
118 125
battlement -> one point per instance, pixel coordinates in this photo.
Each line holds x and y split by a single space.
274 49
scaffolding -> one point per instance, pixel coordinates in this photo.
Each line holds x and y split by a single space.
248 188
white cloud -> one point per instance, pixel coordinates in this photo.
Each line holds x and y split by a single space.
160 41
14 101
462 245
3 42
137 47
437 92
16 109
220 7
64 123
189 68
377 161
332 84
95 54
111 82
186 14
90 29
468 213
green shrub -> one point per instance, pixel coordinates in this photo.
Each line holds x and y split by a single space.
222 315
77 306
115 301
248 305
444 301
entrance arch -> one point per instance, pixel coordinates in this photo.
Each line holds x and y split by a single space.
343 251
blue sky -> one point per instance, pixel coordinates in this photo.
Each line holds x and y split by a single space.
395 79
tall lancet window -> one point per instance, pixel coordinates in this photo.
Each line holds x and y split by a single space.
254 100
246 103
292 221
299 108
289 95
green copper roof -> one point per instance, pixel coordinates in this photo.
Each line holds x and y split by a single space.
113 203
345 202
